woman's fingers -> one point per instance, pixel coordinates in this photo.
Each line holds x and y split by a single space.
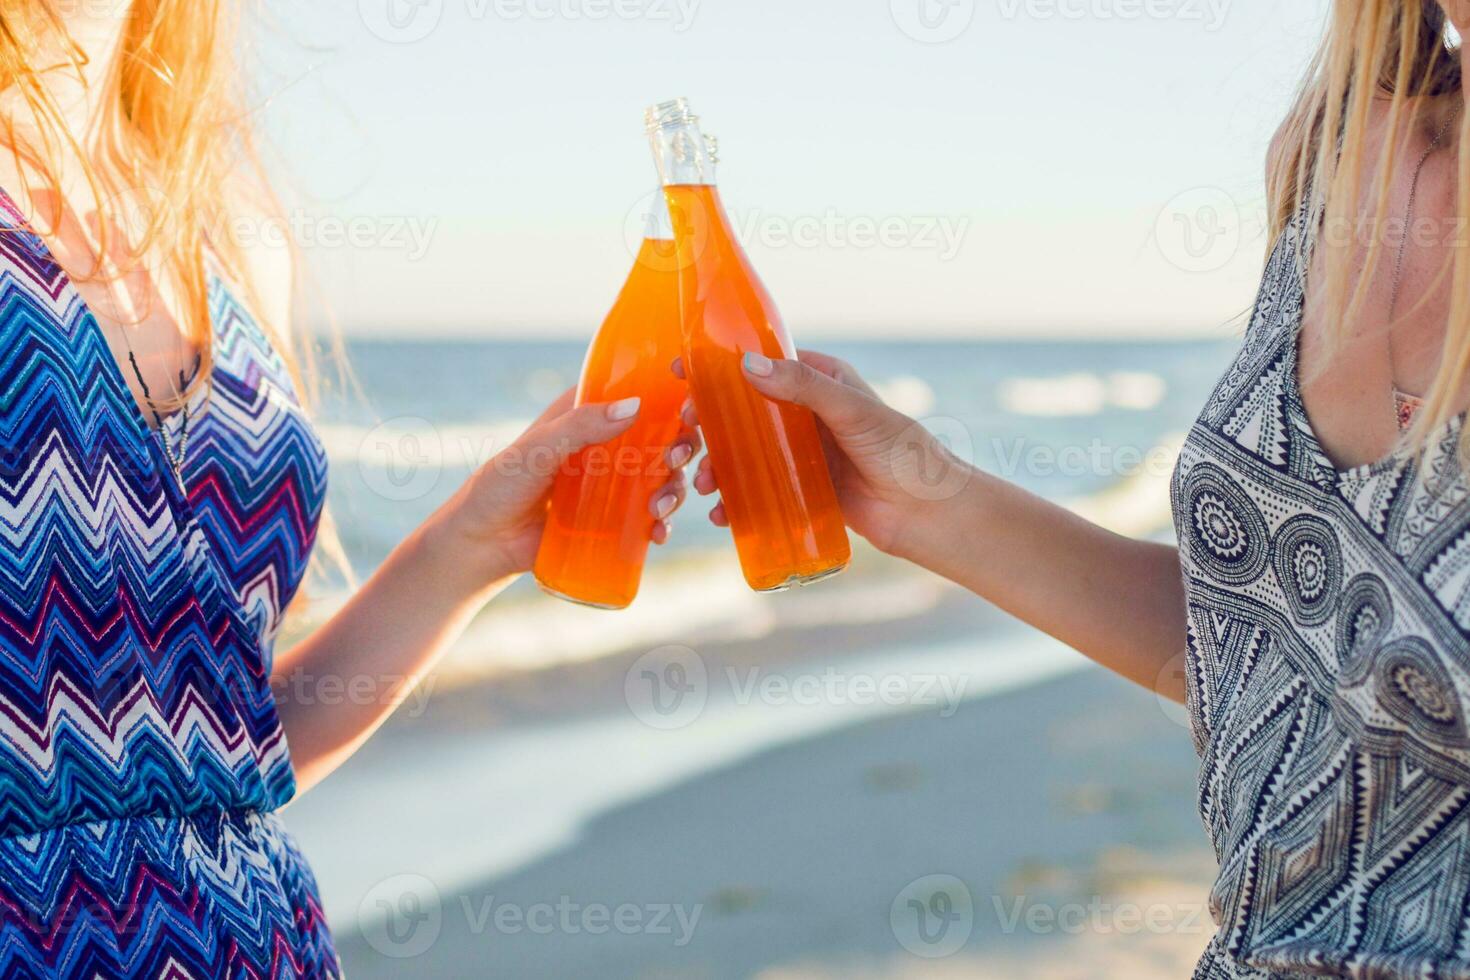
833 367
837 369
843 407
664 503
717 516
704 478
684 449
580 427
668 498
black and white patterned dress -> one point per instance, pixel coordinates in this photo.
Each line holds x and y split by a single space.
1328 677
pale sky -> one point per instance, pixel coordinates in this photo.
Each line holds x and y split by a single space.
956 167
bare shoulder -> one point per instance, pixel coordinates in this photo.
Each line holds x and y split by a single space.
1288 133
261 232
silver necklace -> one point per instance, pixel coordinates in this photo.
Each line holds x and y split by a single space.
1398 398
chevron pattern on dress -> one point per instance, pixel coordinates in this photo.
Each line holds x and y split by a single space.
140 751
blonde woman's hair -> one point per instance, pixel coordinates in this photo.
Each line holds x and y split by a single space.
174 145
1390 60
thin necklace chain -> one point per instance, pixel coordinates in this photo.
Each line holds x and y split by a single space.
1397 398
175 454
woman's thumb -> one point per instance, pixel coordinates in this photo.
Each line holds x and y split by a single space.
586 425
840 406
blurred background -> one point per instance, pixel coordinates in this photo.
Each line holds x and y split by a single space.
1034 224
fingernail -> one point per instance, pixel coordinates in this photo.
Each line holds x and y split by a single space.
758 364
625 409
666 505
680 455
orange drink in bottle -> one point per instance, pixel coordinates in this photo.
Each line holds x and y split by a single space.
768 457
598 521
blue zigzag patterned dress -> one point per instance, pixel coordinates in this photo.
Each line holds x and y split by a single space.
141 758
1328 672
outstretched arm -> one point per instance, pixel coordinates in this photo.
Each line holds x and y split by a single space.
1117 600
334 689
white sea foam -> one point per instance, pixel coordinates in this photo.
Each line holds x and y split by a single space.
702 596
699 592
1137 506
1081 393
461 446
907 394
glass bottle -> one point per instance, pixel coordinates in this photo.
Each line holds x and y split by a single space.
767 455
599 518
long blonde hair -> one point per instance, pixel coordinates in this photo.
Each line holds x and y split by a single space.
1397 51
174 142
175 135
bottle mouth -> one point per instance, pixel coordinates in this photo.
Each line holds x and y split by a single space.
668 115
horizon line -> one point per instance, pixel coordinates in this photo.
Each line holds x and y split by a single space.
351 336
568 332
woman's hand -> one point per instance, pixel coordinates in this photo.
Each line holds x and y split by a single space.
888 469
1119 601
500 512
393 630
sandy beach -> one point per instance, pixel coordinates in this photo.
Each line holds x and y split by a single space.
1037 820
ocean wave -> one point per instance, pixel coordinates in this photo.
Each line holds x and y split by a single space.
698 592
467 445
1082 393
1138 505
390 442
908 394
711 600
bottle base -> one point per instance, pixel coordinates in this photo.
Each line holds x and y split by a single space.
588 603
797 581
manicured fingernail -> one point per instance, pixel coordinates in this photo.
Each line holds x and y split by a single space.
758 364
680 455
625 409
666 505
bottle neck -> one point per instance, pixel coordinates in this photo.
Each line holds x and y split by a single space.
681 151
